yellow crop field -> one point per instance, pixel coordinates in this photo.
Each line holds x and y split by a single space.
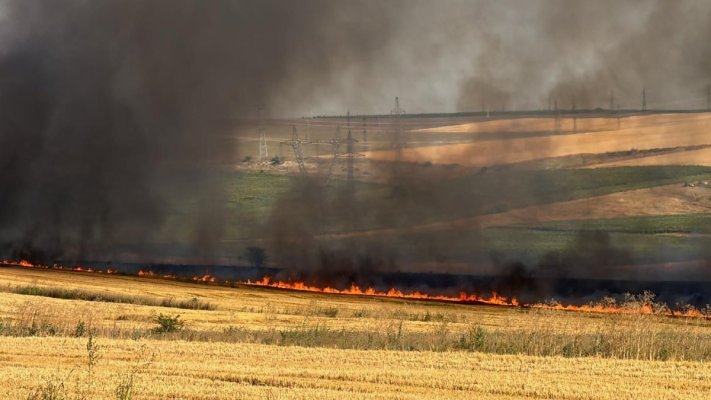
253 343
190 370
593 135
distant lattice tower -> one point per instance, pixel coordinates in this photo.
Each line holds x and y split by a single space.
573 108
365 130
708 97
612 101
399 142
262 130
297 146
335 143
557 125
644 99
350 156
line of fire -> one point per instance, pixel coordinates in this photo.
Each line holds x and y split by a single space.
354 290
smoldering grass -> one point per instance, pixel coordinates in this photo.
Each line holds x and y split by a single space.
78 294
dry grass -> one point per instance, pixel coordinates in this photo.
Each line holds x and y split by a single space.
265 344
190 370
78 294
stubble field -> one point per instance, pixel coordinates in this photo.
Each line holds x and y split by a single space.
256 343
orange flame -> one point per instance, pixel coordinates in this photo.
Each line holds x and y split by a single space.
151 274
493 299
204 278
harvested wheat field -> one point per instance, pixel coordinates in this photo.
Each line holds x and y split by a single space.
637 132
257 343
189 370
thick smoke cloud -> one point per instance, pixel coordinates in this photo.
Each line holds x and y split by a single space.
109 108
473 56
541 51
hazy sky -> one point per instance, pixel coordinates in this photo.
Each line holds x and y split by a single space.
444 55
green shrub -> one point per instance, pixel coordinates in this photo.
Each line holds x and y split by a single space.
167 324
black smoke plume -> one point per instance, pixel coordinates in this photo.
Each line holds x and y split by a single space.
110 109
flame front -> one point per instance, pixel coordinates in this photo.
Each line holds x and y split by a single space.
355 290
494 299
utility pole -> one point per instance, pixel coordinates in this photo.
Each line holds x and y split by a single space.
262 130
644 99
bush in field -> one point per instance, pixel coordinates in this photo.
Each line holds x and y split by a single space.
167 324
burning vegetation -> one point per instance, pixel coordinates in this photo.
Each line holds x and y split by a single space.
525 165
118 144
642 304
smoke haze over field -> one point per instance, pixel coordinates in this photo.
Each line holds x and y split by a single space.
111 108
107 104
327 56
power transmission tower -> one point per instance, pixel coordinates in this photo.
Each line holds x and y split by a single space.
574 112
398 112
708 97
335 143
644 99
262 130
296 144
612 101
557 117
350 158
308 126
365 130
